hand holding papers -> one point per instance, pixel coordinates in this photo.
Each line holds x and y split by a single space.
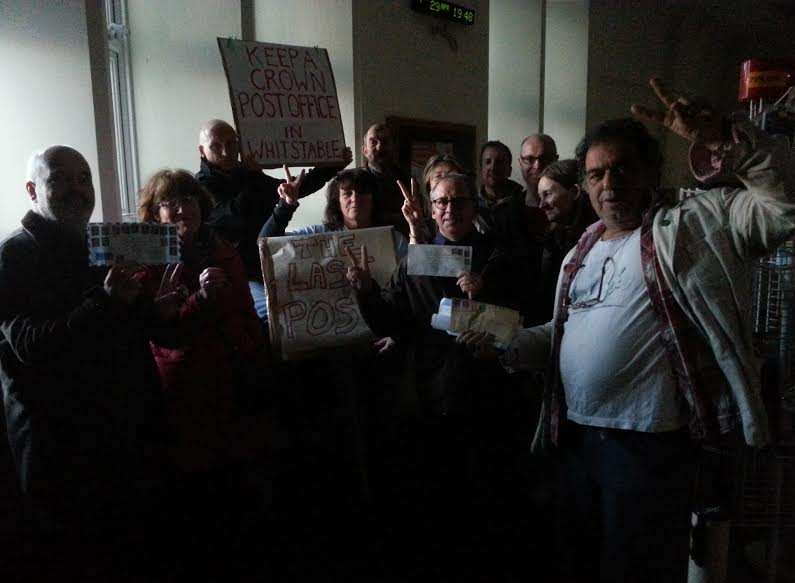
456 316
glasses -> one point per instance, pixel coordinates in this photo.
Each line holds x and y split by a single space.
530 160
598 299
176 203
455 203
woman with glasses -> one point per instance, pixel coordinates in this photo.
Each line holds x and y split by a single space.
349 206
210 365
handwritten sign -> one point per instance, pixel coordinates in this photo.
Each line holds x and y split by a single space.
284 101
311 305
144 243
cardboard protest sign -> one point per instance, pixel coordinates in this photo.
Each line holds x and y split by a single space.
311 306
284 101
439 260
144 243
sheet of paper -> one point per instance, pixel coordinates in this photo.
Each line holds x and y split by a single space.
439 260
459 315
144 243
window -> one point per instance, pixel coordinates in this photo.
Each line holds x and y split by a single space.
121 97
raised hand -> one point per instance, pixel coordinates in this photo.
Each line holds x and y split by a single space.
211 280
412 207
358 274
470 283
171 293
385 344
693 119
289 190
121 283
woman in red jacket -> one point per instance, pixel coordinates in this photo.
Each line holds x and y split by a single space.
219 342
212 372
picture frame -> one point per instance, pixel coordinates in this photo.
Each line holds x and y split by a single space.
416 140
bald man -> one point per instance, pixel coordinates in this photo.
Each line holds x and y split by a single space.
378 149
537 152
81 392
244 196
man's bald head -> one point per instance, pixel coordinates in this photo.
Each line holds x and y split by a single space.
377 146
218 144
59 186
537 152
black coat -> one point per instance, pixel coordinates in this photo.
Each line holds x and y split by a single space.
81 392
244 200
447 377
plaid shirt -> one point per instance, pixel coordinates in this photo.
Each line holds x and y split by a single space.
696 371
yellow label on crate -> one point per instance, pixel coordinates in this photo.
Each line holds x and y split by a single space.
768 79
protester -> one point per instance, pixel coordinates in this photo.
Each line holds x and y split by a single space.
80 387
536 153
435 168
516 228
568 213
220 339
349 205
213 376
462 404
378 149
244 196
650 350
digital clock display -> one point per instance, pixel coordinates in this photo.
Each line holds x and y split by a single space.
446 10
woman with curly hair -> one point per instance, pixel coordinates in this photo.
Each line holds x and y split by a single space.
216 328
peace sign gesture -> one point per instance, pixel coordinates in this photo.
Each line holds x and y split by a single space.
412 207
289 190
693 119
359 272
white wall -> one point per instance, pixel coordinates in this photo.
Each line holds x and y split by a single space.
566 73
46 97
178 78
326 24
514 73
401 69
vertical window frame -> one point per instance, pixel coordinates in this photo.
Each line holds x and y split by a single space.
121 93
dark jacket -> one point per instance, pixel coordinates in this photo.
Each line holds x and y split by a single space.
388 200
445 371
80 387
518 230
556 244
217 353
244 200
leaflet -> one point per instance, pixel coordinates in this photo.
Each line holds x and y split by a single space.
459 315
439 260
144 243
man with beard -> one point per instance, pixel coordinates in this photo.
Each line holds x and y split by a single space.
536 153
379 159
244 196
80 389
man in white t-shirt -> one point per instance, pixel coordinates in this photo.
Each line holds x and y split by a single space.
651 348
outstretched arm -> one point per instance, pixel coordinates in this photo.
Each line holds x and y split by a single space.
762 214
